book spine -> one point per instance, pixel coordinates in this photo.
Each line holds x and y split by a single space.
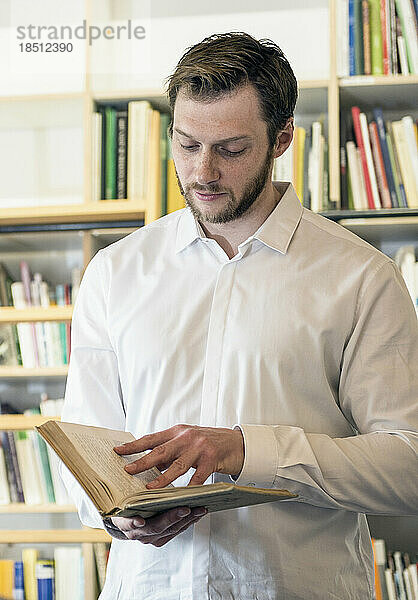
378 115
96 156
409 32
67 298
411 143
358 38
165 121
385 42
18 585
29 558
306 192
26 278
366 38
369 158
355 111
376 37
405 164
4 484
122 148
110 168
342 36
44 573
11 447
393 42
379 166
351 38
400 189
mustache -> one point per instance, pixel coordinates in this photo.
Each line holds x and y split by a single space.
211 189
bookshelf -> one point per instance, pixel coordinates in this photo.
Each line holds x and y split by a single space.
46 218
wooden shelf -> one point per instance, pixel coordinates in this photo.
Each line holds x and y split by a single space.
22 508
105 210
35 373
52 536
53 313
20 422
365 80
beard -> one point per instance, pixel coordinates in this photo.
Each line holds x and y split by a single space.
234 208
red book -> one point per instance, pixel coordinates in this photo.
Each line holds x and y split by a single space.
385 42
355 112
379 166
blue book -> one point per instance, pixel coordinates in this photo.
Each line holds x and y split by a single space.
18 582
44 573
351 41
378 115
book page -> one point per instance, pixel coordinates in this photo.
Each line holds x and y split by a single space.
95 445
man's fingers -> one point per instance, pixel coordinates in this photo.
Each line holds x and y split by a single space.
151 533
200 476
164 453
125 524
178 467
147 442
163 540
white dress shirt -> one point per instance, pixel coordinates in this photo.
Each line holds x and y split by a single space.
307 339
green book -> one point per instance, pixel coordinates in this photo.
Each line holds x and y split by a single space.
376 45
42 454
165 121
110 153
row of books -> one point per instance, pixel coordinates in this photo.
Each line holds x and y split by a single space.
131 157
35 344
395 574
28 467
377 37
379 162
58 578
305 164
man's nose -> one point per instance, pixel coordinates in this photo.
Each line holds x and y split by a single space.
207 170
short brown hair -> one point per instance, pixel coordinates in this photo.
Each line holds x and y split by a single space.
222 63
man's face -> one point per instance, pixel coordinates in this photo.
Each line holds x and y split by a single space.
222 155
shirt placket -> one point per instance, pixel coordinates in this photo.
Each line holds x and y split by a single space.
209 411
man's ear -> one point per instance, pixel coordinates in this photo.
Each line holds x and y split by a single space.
284 138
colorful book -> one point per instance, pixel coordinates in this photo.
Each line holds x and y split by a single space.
367 53
376 38
122 153
378 115
379 166
405 163
406 14
29 558
358 38
175 200
355 111
110 166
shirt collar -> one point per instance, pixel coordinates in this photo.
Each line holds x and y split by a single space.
276 231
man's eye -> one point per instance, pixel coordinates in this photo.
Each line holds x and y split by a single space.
188 147
230 153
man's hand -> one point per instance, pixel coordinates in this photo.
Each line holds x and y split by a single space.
160 529
175 450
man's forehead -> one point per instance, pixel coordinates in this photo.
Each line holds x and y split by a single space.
230 115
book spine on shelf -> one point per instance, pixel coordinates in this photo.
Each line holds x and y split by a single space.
12 465
376 37
395 166
367 53
379 166
122 149
110 167
351 38
96 156
409 32
355 111
28 469
342 36
378 115
358 38
4 484
405 163
384 17
165 121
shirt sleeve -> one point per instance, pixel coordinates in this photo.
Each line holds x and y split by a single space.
93 393
376 471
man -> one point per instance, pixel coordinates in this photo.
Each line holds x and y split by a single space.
247 337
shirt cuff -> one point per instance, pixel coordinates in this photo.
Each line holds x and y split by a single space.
261 456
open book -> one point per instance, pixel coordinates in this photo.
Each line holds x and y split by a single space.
88 453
